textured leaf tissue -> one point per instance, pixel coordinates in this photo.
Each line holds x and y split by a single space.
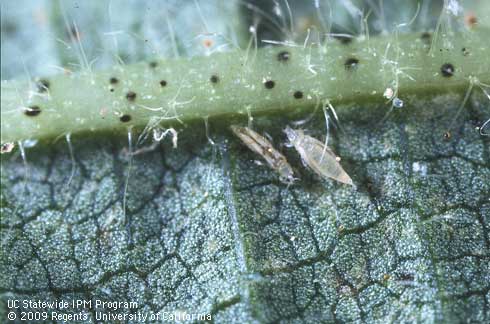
245 161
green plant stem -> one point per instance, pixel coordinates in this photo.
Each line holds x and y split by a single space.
236 83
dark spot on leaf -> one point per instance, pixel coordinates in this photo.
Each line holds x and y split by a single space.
426 38
298 94
465 51
131 95
32 111
42 85
153 64
163 83
269 84
112 90
214 79
113 80
351 63
283 56
344 39
125 118
447 70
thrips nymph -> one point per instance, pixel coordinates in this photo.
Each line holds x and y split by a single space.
317 156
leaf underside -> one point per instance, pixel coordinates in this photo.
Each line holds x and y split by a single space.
208 230
205 229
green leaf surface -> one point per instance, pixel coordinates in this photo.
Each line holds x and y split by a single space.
203 228
209 231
